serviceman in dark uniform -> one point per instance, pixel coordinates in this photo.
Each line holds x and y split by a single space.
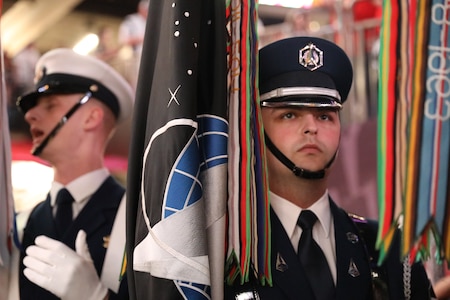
73 242
318 250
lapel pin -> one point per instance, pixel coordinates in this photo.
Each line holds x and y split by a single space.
281 264
353 269
106 241
352 237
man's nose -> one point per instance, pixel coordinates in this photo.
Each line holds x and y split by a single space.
309 124
31 115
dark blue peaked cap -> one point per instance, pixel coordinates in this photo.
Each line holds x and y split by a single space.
304 71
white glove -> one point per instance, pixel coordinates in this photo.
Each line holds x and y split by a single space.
69 275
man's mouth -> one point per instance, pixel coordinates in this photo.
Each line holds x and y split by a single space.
37 135
309 148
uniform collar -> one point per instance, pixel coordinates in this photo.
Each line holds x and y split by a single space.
288 212
82 187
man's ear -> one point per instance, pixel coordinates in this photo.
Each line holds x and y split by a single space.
94 118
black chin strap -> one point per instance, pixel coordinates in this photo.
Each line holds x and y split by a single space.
38 149
300 172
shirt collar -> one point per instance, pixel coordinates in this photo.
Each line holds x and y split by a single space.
288 212
322 210
82 187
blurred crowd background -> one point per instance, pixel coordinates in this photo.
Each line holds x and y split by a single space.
117 39
113 30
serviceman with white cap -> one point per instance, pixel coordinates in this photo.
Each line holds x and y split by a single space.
74 241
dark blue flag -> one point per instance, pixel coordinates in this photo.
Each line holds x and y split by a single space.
177 177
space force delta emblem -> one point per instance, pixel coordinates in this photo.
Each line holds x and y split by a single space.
311 57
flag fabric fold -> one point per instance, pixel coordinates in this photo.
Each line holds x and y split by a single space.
7 206
248 254
414 127
177 178
197 192
6 196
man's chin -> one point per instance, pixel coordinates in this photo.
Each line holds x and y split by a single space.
37 149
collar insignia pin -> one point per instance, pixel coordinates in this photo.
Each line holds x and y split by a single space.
352 237
281 264
353 269
106 241
311 57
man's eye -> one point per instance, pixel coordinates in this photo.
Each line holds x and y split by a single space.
326 117
288 115
49 106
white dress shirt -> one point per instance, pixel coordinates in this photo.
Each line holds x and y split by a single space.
323 230
81 189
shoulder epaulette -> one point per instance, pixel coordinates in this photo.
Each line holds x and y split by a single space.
357 218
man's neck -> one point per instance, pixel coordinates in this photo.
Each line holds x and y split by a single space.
69 171
302 192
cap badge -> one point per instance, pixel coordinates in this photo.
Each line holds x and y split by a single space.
40 74
311 57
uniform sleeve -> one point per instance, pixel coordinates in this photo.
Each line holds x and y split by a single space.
397 279
421 287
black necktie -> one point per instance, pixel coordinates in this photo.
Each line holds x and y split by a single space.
63 216
313 260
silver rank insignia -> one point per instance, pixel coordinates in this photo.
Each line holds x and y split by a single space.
353 269
311 57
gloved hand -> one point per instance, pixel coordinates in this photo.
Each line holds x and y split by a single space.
69 275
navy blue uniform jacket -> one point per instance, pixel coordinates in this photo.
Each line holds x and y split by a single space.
96 219
290 281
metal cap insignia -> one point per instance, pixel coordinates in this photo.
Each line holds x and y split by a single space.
39 74
311 57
